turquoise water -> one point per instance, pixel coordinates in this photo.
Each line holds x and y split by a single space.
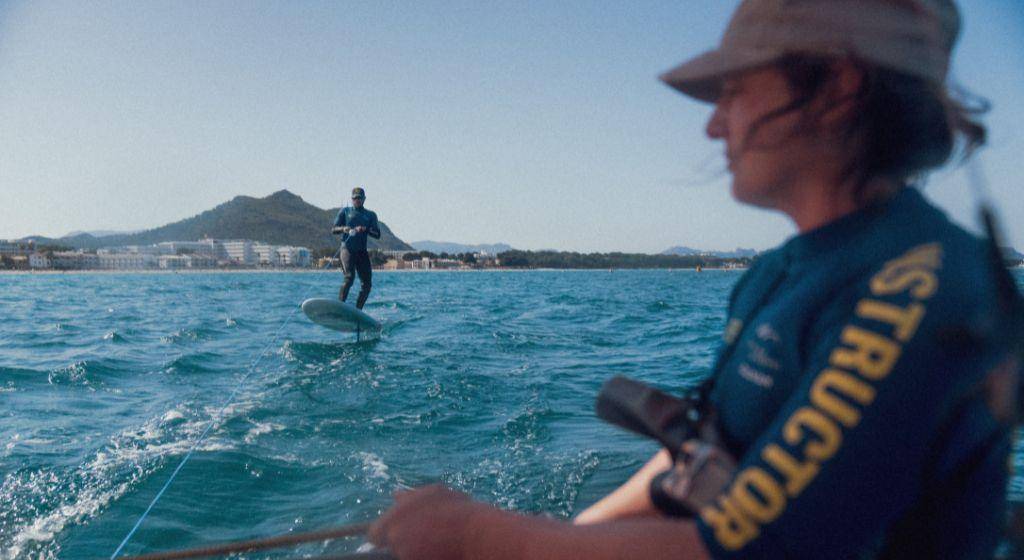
482 380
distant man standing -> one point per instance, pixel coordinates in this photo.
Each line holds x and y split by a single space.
354 223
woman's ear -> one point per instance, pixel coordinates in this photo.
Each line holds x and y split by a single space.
838 100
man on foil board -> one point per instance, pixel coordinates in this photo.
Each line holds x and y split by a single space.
355 223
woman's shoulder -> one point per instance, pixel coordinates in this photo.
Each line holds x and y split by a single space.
763 265
911 254
963 264
921 258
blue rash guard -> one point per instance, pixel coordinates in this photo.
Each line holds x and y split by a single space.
845 393
355 217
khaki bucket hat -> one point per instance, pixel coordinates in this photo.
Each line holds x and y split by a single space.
911 36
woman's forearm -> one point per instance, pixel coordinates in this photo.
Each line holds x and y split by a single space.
509 536
439 523
632 499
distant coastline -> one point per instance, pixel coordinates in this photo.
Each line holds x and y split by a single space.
51 272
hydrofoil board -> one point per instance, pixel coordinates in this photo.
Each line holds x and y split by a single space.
339 316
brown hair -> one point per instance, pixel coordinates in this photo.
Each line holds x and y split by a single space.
908 125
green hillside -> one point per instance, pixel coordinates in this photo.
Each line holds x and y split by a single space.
282 218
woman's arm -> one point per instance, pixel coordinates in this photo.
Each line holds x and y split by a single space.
441 524
632 499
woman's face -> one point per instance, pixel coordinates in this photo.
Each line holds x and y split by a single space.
765 157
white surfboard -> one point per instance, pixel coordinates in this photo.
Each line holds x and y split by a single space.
339 316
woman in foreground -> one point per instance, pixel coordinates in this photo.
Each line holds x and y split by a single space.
849 385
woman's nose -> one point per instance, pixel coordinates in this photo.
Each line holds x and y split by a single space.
716 128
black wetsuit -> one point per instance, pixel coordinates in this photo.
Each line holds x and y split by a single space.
354 257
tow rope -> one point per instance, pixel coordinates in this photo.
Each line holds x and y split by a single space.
223 549
215 418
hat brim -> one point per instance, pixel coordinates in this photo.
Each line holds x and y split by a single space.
701 77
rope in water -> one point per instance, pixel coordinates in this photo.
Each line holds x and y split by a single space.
213 420
224 549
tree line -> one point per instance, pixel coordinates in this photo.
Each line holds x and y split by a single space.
565 260
377 257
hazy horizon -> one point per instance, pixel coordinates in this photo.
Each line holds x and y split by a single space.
536 125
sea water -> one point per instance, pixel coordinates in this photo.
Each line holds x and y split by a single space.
482 380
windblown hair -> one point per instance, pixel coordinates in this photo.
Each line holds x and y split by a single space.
901 126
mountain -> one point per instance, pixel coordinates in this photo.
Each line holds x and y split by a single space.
100 233
739 253
1009 253
682 251
452 248
282 218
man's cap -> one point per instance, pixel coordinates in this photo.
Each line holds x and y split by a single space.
915 37
358 192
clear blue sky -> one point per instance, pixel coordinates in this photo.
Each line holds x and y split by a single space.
535 123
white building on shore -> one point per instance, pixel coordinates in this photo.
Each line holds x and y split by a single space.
39 260
266 255
423 263
172 255
177 262
74 260
138 249
292 256
208 247
241 251
275 255
174 262
397 254
125 261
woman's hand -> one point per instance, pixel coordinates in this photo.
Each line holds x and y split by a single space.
431 522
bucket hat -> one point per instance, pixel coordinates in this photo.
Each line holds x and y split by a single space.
915 37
